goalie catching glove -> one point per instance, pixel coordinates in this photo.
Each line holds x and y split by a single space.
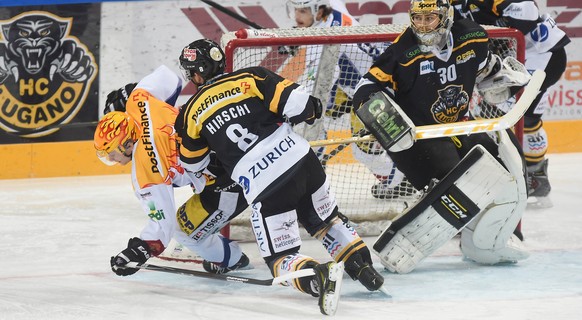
501 79
137 251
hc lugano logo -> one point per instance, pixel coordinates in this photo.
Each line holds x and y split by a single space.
452 102
45 73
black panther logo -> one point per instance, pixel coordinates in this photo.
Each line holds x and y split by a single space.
44 73
452 102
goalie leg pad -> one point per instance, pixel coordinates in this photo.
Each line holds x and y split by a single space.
511 251
489 238
442 212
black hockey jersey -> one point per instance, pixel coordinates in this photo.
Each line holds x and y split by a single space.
243 116
427 88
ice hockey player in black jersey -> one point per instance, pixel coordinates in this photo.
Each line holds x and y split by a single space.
545 50
245 117
430 71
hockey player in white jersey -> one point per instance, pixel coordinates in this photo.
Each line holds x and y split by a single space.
350 62
545 50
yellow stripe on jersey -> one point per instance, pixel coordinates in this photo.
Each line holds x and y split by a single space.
496 3
431 55
192 154
225 92
281 86
383 77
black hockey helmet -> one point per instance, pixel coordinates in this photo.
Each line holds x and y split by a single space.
204 57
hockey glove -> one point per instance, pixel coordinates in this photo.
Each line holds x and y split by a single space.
137 251
317 109
116 99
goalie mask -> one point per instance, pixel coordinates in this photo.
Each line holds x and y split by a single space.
431 22
113 133
204 57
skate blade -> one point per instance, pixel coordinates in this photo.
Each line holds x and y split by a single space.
540 203
385 291
331 297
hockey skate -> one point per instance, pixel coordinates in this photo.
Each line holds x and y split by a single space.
327 281
215 268
364 272
538 185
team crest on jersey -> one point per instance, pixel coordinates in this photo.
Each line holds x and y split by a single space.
45 73
452 102
426 67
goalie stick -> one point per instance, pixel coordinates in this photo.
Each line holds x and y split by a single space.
465 127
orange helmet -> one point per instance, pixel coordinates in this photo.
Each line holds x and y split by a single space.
113 131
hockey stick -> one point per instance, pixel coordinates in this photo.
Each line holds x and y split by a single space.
466 127
232 14
329 155
224 277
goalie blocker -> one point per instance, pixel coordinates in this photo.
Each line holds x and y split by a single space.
387 122
443 211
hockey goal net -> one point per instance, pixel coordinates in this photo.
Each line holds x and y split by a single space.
328 62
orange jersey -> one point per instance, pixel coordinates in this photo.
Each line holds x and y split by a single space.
155 158
155 164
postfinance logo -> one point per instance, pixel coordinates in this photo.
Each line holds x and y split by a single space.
45 73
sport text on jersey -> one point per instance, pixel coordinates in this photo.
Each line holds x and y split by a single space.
471 35
264 163
225 116
146 136
210 100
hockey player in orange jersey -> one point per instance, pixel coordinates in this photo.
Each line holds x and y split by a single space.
141 130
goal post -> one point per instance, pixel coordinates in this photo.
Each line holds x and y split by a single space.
300 54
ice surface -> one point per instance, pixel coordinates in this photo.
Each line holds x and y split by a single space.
56 237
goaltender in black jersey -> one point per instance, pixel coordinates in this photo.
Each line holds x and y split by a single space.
246 118
430 72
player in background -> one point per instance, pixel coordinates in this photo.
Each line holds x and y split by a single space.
545 50
430 72
140 130
245 117
353 61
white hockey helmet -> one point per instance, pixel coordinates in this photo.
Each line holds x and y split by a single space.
313 5
433 35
